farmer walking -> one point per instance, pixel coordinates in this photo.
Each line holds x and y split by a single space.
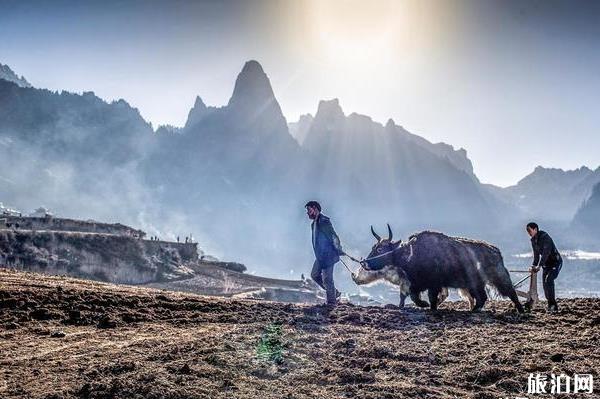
546 256
327 248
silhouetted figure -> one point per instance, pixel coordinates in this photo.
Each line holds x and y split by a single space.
177 239
327 248
546 256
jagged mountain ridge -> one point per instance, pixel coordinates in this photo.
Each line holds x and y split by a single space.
299 129
235 171
386 164
246 139
7 74
71 153
553 194
458 158
72 125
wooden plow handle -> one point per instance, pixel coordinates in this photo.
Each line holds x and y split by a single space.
532 294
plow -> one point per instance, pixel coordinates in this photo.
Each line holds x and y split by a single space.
531 295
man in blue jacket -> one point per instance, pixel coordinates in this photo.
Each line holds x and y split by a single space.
328 249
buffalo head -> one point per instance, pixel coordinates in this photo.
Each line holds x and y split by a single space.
382 246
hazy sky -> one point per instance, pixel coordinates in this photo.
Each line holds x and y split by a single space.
516 83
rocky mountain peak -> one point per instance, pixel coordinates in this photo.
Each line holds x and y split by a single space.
199 104
299 129
329 111
7 74
197 113
252 87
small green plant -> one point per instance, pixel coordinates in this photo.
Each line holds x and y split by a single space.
270 346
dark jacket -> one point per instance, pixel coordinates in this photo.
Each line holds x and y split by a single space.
545 253
326 242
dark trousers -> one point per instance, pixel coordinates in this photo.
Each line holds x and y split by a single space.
549 274
323 276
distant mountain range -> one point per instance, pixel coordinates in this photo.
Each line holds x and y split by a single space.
75 154
553 194
238 175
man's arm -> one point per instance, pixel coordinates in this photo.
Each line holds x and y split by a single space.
329 231
546 250
536 256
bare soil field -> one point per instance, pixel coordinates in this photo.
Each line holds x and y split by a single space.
66 338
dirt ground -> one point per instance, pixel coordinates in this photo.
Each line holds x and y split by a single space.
67 338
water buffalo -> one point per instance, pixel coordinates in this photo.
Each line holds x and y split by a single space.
394 276
431 261
397 276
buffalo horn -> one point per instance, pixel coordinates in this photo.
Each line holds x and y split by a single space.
375 234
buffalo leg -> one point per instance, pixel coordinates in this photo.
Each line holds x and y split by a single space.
466 295
433 293
480 298
443 295
515 299
505 288
415 297
402 299
508 290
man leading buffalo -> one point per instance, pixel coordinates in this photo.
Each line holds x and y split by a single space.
327 248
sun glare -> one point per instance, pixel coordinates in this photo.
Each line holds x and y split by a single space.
355 36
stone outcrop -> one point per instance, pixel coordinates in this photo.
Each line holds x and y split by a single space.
105 257
73 225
